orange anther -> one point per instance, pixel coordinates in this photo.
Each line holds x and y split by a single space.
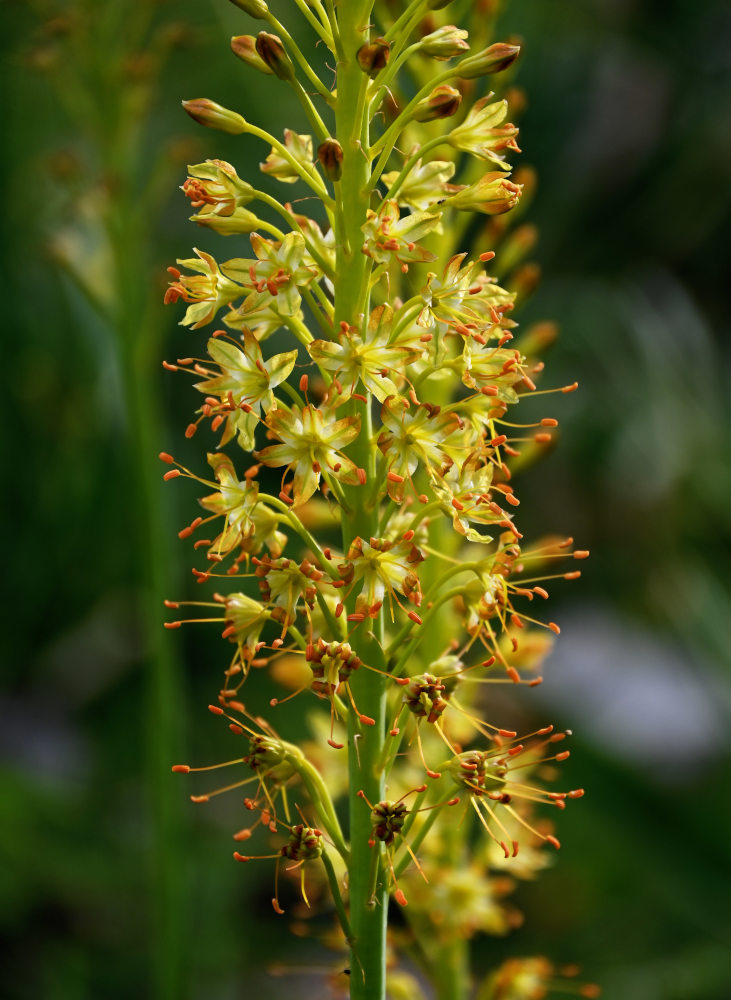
180 769
173 474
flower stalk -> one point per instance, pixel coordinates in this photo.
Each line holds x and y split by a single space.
392 578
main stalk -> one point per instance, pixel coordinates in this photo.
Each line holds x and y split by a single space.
368 902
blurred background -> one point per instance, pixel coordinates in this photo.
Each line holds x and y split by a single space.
111 884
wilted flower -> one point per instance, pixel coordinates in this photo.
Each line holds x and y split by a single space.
276 165
493 194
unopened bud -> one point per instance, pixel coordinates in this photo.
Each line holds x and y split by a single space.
441 103
213 115
494 59
244 46
330 155
273 53
444 43
254 8
241 221
373 56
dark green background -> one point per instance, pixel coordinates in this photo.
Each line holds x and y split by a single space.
627 124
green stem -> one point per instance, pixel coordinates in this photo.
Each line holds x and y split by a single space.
306 69
336 895
368 903
306 171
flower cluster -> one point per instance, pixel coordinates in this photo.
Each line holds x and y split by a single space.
364 515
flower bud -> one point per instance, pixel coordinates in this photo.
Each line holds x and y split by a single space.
330 155
213 115
240 221
373 56
494 59
441 103
445 42
254 8
273 53
244 46
493 194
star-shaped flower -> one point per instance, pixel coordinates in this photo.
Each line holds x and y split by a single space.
382 566
389 237
311 445
244 378
374 361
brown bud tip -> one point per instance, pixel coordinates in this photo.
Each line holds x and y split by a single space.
213 115
244 48
441 103
373 56
274 55
330 157
494 59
